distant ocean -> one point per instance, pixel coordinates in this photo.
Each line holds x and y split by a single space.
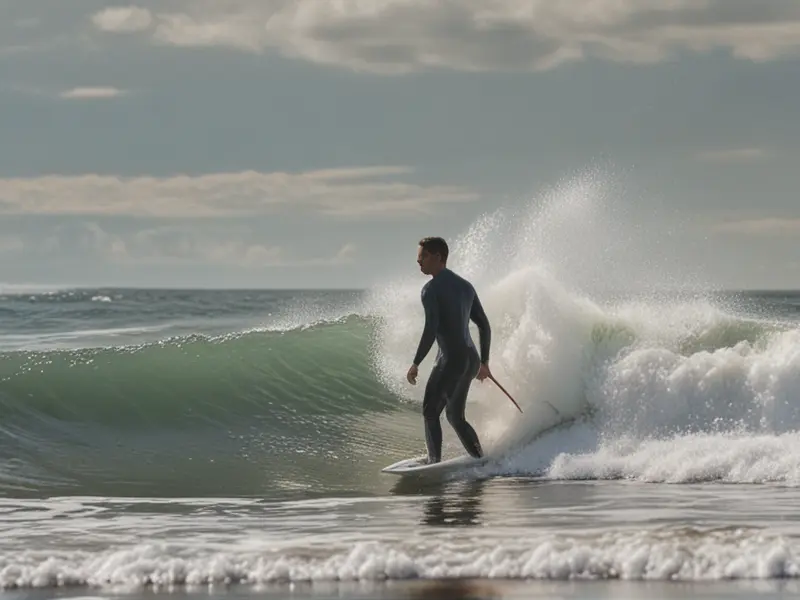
230 441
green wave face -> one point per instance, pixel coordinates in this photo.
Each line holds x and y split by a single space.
246 414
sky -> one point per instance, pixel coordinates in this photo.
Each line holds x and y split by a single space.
277 143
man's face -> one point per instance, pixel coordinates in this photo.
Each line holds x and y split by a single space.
426 260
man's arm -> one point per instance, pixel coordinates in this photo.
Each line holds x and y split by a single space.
431 307
484 329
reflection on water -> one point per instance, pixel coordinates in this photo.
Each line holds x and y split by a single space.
454 590
456 504
461 507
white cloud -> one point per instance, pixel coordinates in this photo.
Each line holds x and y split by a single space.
397 36
91 93
77 93
760 227
733 155
346 193
122 19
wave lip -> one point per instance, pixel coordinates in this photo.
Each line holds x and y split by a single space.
688 555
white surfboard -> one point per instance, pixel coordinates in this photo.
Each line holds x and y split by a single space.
414 467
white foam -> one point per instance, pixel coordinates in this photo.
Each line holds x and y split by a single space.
691 555
729 414
728 458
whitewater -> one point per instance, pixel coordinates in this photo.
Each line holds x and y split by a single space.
154 439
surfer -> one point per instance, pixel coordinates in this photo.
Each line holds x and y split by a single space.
450 302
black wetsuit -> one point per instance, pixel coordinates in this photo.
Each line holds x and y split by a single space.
450 303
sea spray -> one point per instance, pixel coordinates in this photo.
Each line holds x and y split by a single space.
532 266
632 365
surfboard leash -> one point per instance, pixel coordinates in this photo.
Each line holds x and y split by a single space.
515 402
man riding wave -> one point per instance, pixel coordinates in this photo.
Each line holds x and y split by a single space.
450 303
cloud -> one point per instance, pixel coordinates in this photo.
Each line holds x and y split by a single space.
122 19
176 245
91 93
399 36
734 155
344 256
344 193
179 244
77 93
760 227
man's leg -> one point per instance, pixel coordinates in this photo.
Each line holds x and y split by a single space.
457 404
432 407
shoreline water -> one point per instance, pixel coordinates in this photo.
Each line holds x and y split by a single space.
503 531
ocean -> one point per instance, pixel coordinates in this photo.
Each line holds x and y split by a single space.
227 443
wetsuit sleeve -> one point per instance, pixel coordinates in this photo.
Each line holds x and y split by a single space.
431 307
478 316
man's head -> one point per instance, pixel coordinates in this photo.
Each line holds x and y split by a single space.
432 255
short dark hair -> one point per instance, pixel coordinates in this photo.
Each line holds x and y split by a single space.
435 245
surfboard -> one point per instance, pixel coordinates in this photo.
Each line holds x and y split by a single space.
415 467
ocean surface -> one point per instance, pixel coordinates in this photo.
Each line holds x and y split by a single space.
225 443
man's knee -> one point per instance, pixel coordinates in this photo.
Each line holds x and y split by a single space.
454 416
432 408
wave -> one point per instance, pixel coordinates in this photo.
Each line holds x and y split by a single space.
650 378
195 377
192 412
691 555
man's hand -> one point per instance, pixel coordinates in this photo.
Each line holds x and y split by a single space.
412 375
483 372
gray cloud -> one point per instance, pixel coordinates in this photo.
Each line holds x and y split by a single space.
732 155
346 193
397 36
123 19
768 226
235 245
